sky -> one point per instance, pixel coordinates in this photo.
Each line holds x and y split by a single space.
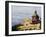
20 12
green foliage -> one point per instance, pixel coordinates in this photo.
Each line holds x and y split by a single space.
23 28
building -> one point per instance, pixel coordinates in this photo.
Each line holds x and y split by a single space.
35 18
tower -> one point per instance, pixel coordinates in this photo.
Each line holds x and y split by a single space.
35 18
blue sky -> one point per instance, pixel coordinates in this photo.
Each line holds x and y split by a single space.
20 12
